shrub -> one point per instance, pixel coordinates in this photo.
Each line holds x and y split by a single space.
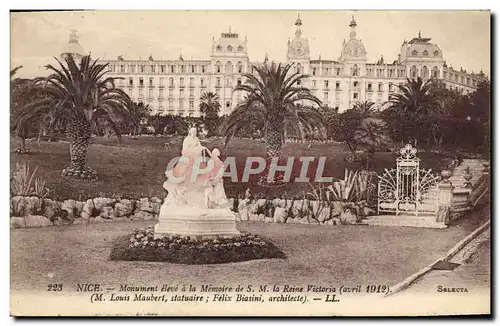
25 182
142 245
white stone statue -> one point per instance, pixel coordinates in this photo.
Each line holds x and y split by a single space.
196 203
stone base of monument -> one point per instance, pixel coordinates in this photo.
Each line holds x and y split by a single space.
197 222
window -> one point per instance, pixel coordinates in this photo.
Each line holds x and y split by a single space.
326 83
338 71
390 87
355 70
240 67
229 67
425 72
314 84
170 92
218 82
161 81
171 81
122 68
172 69
240 48
228 104
229 48
203 69
391 72
325 97
141 81
445 74
326 71
181 83
219 48
468 81
228 82
239 81
380 87
191 105
461 79
150 81
299 68
131 81
369 87
162 69
355 84
314 71
183 67
192 69
161 93
191 82
337 85
414 52
181 105
435 72
131 69
153 68
369 96
436 53
355 95
425 53
201 82
181 93
299 82
217 66
413 71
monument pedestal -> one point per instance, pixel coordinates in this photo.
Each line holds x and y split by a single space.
194 221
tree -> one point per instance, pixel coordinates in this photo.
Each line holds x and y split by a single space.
274 99
413 108
209 108
365 108
77 95
139 113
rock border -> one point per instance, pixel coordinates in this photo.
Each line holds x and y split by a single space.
27 212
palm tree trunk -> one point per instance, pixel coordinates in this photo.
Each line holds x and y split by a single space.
79 132
273 137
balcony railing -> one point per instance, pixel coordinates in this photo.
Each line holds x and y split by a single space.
151 86
141 86
170 86
182 86
203 86
161 86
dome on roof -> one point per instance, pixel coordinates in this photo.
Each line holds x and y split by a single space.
73 46
421 47
354 49
298 48
229 43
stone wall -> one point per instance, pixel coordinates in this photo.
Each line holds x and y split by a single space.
38 212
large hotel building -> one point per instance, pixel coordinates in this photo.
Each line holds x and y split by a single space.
175 86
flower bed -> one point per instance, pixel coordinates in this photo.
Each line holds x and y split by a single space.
142 245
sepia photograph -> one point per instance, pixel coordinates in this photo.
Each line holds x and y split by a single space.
250 163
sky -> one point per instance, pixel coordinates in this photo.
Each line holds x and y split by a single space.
36 37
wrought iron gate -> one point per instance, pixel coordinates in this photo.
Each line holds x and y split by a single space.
408 188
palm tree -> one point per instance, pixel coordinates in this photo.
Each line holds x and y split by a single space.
77 96
209 103
14 71
366 108
416 104
209 108
417 97
274 100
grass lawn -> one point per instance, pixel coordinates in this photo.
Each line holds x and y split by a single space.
136 168
347 255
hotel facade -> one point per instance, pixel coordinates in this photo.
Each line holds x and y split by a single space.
175 86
